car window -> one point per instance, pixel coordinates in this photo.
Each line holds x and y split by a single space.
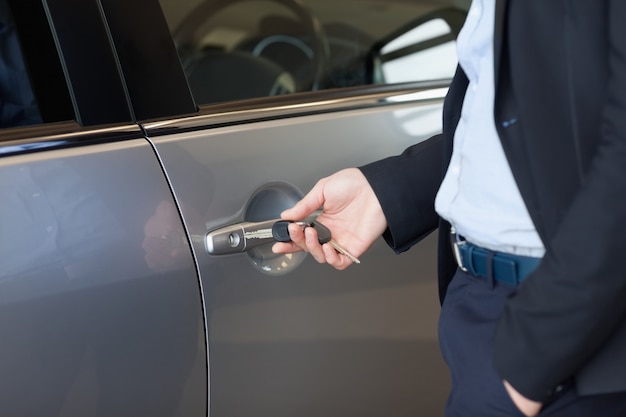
425 52
18 106
237 49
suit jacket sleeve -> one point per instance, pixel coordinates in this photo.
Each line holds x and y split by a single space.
405 186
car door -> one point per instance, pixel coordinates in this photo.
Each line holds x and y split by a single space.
100 306
287 336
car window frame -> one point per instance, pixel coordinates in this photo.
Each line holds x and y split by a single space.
81 94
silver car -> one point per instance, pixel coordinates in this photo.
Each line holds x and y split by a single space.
145 148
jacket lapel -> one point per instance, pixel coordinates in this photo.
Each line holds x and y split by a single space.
498 37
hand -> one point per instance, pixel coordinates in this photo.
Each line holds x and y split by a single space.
350 210
528 407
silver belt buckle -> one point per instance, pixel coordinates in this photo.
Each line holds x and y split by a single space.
456 244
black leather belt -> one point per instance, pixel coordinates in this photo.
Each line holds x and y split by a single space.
503 267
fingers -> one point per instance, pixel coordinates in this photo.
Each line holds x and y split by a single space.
296 234
313 246
285 247
335 259
528 407
307 240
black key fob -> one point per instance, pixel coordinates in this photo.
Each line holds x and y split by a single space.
280 231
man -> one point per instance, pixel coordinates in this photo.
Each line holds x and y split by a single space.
533 318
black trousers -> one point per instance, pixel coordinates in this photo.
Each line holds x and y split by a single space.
466 327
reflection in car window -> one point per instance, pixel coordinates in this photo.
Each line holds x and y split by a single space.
17 102
432 62
237 49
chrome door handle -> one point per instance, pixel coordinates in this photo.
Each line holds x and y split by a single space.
239 237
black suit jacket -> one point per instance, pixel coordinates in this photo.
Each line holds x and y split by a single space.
560 112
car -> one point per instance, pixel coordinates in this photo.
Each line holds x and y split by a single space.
144 147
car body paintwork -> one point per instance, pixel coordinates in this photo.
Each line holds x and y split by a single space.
84 310
110 303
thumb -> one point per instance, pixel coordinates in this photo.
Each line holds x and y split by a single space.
307 205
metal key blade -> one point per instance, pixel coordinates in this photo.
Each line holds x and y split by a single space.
259 234
324 236
343 251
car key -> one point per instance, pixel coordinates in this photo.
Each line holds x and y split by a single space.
281 234
323 233
280 230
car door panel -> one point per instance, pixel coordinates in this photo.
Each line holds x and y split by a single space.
307 340
97 315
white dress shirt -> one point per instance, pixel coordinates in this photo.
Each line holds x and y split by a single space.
479 196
